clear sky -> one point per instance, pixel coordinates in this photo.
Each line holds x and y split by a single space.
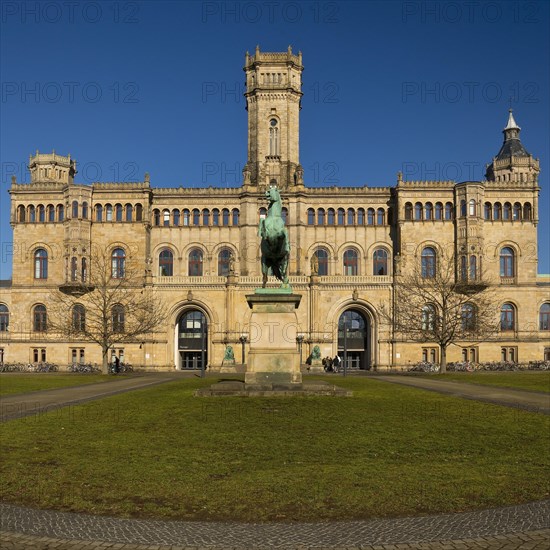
134 87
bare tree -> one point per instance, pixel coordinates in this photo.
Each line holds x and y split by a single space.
106 303
432 304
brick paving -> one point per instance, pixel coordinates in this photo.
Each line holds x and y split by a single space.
509 528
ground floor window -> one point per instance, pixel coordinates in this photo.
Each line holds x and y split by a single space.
509 354
470 354
1 355
546 354
38 354
429 355
77 355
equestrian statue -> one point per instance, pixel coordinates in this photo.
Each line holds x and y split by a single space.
275 246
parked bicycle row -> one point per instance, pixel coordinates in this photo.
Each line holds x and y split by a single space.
28 367
467 366
71 367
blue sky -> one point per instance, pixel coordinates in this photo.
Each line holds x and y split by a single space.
135 87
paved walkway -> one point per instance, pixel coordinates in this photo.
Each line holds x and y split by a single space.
510 528
520 399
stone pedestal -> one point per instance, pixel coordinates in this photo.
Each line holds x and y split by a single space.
273 357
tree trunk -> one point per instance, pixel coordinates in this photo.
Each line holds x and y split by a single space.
105 363
443 353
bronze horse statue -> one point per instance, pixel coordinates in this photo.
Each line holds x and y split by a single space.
275 245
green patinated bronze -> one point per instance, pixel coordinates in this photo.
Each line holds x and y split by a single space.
275 245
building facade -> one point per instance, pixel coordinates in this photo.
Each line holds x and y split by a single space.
198 248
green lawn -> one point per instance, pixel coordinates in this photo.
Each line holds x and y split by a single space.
23 383
387 451
526 380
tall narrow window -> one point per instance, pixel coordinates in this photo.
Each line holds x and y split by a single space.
330 216
472 208
108 213
428 211
473 268
117 318
118 263
176 217
408 211
341 216
360 216
418 211
99 213
4 318
448 210
85 210
40 318
527 211
380 262
350 262
166 217
438 211
464 268
468 317
225 217
21 213
321 255
186 217
32 214
380 216
428 318
235 216
74 212
41 214
215 217
507 262
156 217
321 216
224 260
195 263
129 211
284 214
428 263
507 211
507 317
84 270
497 211
370 216
517 212
351 216
166 263
206 217
310 216
139 212
79 318
488 210
118 211
40 264
74 269
273 137
544 317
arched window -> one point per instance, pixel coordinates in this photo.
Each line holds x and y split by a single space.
41 213
507 317
108 213
85 210
507 211
284 214
418 211
224 261
527 211
438 211
330 216
360 216
156 217
321 256
380 262
488 210
428 211
321 216
468 317
225 217
273 137
79 318
517 212
428 318
50 213
139 212
215 217
235 216
166 263
408 211
428 264
310 216
84 270
74 269
21 213
4 318
473 268
462 208
129 212
99 213
544 317
206 217
195 262
507 262
74 211
350 262
497 211
176 217
32 214
40 264
186 217
262 213
448 210
380 216
341 216
40 318
118 263
472 207
118 210
370 216
117 318
389 216
166 217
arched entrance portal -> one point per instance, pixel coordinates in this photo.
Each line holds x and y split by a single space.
191 340
354 339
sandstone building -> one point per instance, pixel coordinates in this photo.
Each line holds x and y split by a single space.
198 248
